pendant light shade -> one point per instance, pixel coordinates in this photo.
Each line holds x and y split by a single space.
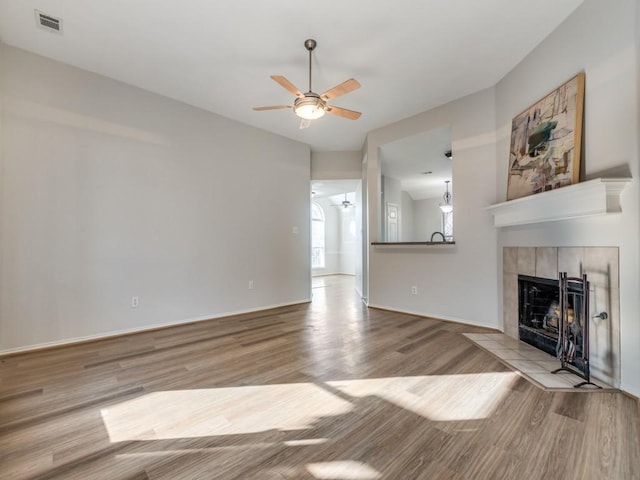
446 207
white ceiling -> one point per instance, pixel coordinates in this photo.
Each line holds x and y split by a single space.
409 55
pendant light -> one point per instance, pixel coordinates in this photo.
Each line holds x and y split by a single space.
446 207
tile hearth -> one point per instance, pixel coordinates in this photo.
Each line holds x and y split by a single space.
533 364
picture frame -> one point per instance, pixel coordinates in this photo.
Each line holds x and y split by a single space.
546 140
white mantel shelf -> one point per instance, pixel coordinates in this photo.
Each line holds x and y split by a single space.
593 197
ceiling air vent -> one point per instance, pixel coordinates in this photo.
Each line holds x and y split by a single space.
48 23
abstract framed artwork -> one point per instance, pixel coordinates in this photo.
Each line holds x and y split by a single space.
546 142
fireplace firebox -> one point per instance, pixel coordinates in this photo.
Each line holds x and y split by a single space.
553 316
539 312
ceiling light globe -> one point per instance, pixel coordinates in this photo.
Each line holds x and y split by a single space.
309 112
309 107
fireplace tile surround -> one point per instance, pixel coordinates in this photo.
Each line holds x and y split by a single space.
601 266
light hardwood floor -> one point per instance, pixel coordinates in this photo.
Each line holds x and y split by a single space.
328 390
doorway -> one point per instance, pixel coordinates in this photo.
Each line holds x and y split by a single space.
336 246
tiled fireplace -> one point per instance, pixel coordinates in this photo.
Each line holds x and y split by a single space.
601 266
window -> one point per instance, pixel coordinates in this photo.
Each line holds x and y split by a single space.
317 236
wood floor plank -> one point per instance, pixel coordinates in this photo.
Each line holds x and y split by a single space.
329 389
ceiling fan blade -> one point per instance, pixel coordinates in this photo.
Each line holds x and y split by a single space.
272 107
342 89
343 112
288 85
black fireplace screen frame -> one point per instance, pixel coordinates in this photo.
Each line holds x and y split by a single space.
554 317
574 327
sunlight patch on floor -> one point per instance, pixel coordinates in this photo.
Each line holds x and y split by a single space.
342 470
300 406
221 411
439 397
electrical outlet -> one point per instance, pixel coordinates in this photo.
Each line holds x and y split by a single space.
414 290
135 302
250 284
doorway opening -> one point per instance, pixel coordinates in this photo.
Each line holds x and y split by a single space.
336 244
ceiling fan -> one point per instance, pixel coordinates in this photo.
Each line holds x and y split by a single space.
309 106
345 203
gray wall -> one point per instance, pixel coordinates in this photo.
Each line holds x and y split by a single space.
407 227
427 218
445 275
391 190
109 191
336 165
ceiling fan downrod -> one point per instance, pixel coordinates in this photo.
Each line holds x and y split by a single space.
310 45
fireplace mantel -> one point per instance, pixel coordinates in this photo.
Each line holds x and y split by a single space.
593 197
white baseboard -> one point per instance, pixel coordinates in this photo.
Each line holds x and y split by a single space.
437 317
146 328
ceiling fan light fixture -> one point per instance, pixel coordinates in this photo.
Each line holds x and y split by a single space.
309 107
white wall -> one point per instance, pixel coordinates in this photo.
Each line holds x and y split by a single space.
108 191
455 283
600 38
